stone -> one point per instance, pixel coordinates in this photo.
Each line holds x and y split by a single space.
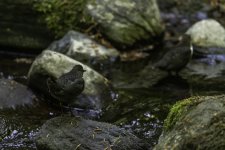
195 123
14 94
127 22
82 48
97 90
75 133
207 33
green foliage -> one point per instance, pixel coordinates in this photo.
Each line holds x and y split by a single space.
64 15
177 110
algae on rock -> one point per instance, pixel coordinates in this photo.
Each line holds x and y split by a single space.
62 16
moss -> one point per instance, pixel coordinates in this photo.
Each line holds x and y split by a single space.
62 16
177 110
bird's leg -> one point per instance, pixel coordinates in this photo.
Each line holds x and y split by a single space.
170 73
71 111
177 74
61 107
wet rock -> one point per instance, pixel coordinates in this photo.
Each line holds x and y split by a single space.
127 22
97 91
76 133
13 94
82 48
207 33
195 123
21 115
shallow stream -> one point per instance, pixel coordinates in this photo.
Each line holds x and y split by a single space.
142 101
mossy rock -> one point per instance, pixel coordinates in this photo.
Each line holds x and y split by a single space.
127 23
62 16
195 123
177 110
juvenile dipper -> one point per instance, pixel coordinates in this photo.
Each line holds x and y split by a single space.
177 58
67 86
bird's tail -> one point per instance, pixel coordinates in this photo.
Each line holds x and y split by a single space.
51 85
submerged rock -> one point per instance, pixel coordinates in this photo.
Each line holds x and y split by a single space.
75 133
127 22
97 91
207 33
195 123
82 48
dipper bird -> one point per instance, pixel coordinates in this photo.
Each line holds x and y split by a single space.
177 57
67 86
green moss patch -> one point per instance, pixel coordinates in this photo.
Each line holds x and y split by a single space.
177 110
62 16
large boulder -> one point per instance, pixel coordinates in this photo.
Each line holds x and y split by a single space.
195 123
75 133
207 33
97 91
82 48
127 22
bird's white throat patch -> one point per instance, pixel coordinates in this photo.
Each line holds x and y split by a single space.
191 49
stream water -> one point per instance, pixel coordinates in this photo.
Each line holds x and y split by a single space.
139 108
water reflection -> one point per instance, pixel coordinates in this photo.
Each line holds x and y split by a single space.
210 66
212 59
174 86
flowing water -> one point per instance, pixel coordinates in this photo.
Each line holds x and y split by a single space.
142 100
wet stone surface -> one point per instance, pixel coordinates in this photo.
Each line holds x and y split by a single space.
84 134
199 125
13 94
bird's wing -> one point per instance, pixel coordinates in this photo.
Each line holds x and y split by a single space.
163 62
75 87
53 88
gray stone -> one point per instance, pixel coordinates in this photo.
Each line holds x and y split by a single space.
207 33
195 123
13 94
97 91
126 22
69 133
82 48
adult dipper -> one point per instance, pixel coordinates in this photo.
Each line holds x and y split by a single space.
67 86
177 57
